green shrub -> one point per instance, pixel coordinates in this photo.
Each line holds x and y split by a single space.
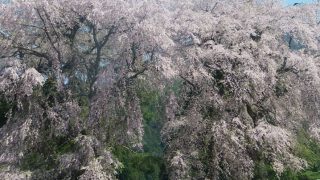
309 175
32 161
308 149
264 170
37 161
139 166
60 145
289 175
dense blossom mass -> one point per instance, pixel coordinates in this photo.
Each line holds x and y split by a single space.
159 89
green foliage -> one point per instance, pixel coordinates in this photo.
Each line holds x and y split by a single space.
84 114
4 108
309 175
305 175
2 166
264 171
45 157
210 112
271 118
66 147
152 141
254 113
59 145
308 149
152 109
83 101
175 87
289 175
148 165
223 89
150 101
139 166
50 87
50 90
205 155
33 161
280 89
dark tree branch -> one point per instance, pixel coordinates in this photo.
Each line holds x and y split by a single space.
138 73
48 35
